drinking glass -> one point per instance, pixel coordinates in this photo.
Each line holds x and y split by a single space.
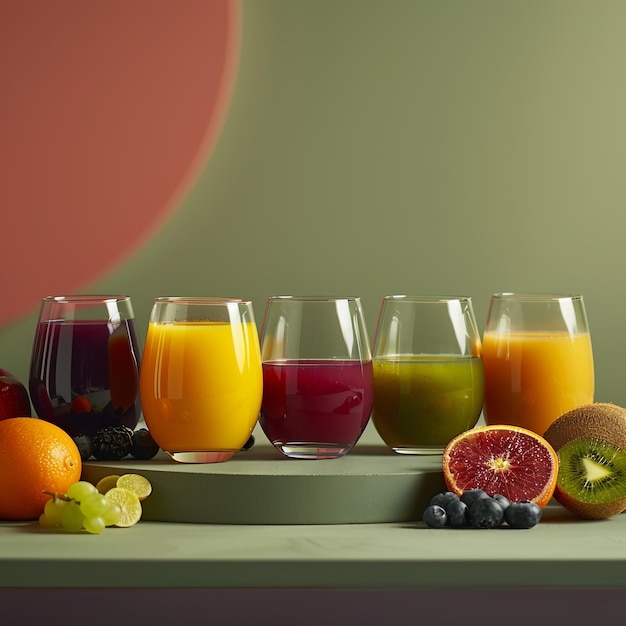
317 375
201 380
538 359
85 362
428 372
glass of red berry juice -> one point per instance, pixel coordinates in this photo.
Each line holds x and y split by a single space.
85 362
317 375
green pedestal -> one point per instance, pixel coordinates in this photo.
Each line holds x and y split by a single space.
369 485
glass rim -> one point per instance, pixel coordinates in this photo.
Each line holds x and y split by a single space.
535 296
320 298
203 300
434 299
85 298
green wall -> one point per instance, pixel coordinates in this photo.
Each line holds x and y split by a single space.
408 146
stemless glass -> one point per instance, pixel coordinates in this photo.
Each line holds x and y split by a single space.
85 362
201 381
317 375
538 359
428 372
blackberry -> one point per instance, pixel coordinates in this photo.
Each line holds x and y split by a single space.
143 446
112 443
84 445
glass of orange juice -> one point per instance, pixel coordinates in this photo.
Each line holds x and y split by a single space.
538 359
201 381
428 372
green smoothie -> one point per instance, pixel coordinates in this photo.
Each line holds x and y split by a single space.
422 402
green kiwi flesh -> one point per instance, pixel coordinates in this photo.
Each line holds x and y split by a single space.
592 478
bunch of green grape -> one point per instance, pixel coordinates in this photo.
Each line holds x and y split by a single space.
84 507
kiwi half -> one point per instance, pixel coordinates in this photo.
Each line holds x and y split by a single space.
590 442
599 420
592 478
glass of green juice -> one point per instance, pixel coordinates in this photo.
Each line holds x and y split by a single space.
428 373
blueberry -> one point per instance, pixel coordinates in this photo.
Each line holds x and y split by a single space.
143 446
249 443
85 448
471 495
524 514
486 513
435 516
457 513
443 498
503 501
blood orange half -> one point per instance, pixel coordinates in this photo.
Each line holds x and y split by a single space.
504 459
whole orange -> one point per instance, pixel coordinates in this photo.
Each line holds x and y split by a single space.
35 456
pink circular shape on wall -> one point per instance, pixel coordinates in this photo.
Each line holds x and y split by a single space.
108 113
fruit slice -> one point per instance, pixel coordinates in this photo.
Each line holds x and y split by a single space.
106 483
136 483
592 478
502 459
590 441
129 503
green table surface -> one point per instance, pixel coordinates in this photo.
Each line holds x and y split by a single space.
560 552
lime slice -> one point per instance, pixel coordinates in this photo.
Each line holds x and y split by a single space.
129 503
106 483
136 483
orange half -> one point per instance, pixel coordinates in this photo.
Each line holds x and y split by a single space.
509 460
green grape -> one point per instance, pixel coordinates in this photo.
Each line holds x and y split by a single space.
94 505
80 490
113 514
46 522
53 510
72 518
94 525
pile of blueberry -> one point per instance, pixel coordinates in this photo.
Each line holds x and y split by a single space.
475 508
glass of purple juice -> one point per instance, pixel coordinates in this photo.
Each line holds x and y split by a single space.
85 362
317 375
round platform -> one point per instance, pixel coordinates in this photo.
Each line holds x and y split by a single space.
370 484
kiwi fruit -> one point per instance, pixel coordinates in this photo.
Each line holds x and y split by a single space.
590 442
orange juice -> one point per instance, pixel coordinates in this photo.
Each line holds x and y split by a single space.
533 377
202 384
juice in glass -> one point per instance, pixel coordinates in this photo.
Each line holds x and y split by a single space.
422 401
533 377
201 385
318 401
84 374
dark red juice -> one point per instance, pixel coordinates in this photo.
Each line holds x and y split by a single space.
321 401
84 375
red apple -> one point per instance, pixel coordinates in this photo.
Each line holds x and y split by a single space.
14 399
